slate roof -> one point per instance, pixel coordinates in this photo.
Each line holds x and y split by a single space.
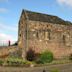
35 16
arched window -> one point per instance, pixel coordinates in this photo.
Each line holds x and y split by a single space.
37 35
41 35
66 39
47 34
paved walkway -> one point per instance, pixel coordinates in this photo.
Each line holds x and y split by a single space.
61 68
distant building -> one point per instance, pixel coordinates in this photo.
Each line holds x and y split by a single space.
43 32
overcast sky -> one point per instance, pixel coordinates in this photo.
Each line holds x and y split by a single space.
10 11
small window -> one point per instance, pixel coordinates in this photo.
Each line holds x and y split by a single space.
20 35
47 25
64 39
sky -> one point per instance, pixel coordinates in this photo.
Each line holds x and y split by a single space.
10 11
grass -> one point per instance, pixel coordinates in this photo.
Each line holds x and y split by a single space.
56 62
54 70
60 61
21 62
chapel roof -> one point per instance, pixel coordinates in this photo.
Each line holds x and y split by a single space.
35 16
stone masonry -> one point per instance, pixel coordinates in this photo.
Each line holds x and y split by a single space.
43 32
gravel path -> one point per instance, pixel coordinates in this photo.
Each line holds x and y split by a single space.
61 68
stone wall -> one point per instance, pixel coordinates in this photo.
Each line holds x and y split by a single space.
22 34
7 50
44 36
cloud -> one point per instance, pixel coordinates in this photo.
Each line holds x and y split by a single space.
8 27
3 10
65 2
4 38
11 34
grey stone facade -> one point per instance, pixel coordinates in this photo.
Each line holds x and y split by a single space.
43 32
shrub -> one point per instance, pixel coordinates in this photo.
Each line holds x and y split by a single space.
15 44
15 61
1 62
30 55
45 57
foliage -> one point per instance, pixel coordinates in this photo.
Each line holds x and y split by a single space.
45 57
15 61
1 62
63 61
15 44
30 55
18 62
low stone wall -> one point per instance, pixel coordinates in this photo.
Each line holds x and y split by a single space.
6 50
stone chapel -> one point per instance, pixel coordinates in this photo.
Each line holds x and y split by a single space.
43 32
